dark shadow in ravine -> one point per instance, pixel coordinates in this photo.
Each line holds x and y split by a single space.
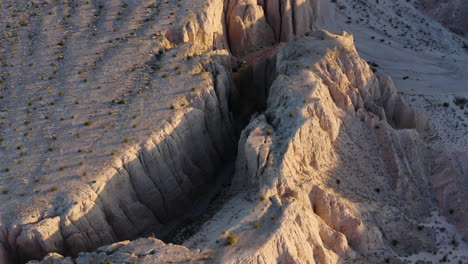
168 185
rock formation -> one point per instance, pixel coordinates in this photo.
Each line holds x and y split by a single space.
127 130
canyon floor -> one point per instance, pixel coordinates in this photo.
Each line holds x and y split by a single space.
233 131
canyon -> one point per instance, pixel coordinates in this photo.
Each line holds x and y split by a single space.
231 131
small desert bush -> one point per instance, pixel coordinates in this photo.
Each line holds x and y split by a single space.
231 240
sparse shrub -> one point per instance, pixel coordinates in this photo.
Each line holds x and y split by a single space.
445 104
460 101
88 123
62 168
231 240
53 188
6 191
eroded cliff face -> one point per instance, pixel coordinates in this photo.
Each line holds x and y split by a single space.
329 145
125 146
331 168
330 172
255 24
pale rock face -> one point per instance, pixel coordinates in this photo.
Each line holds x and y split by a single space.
324 197
330 98
253 24
110 153
144 250
247 27
288 18
333 168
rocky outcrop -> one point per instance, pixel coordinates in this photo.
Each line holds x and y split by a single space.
111 152
148 188
332 167
247 27
254 24
144 250
330 172
306 143
290 17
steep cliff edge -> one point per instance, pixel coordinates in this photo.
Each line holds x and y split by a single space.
328 173
255 24
124 122
131 115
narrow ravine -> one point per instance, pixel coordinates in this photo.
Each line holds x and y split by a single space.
170 181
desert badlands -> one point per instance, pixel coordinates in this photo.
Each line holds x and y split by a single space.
233 131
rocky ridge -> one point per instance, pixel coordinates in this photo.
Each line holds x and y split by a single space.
330 160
